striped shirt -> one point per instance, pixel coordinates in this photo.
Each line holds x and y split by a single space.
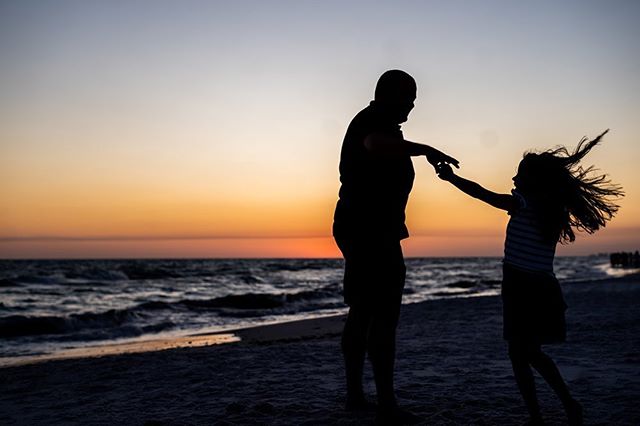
524 246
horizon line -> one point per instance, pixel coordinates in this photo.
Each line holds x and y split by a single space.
3 259
89 238
148 237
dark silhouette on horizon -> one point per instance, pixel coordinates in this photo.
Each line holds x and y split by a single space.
376 175
625 259
553 196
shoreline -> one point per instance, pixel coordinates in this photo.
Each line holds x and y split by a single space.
261 333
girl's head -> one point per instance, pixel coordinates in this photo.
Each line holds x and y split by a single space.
540 173
567 195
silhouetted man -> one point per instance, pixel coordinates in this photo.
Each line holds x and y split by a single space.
376 173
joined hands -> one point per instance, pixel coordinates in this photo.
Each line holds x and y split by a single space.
444 171
435 157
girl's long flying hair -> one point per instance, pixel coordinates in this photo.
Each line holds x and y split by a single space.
571 197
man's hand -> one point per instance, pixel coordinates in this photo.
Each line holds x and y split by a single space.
444 171
436 157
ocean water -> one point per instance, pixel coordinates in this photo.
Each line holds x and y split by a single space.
50 305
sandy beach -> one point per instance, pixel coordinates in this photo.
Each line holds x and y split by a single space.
452 368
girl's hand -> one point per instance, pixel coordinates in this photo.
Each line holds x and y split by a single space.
444 171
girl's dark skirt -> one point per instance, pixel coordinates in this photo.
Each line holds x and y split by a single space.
532 307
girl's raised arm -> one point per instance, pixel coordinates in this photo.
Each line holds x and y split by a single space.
501 201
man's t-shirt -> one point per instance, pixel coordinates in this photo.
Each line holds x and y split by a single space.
375 188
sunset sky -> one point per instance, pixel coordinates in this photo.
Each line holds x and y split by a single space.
213 128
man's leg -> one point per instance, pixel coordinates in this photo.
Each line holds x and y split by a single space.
356 327
382 352
354 347
388 284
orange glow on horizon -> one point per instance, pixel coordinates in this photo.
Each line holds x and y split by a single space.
322 247
174 216
440 244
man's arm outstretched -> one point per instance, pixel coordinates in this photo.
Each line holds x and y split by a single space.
382 144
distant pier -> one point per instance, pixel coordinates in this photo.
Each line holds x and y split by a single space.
625 259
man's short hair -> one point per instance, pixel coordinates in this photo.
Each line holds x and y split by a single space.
393 84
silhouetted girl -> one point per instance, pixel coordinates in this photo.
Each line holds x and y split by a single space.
553 196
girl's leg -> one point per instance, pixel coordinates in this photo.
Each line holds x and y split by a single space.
519 355
550 373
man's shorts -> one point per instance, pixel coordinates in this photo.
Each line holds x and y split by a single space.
374 271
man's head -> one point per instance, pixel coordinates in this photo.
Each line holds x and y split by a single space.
396 92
